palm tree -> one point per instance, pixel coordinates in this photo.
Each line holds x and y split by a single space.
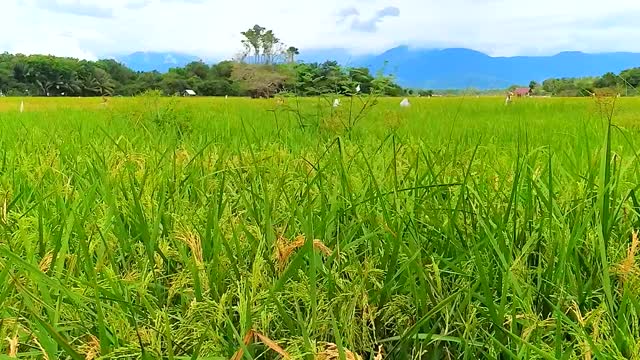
70 86
106 85
98 82
292 51
44 84
21 71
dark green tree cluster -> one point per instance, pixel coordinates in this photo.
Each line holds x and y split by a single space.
264 68
625 83
39 75
329 77
214 80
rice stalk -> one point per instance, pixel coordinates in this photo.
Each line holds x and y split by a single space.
285 248
330 351
14 342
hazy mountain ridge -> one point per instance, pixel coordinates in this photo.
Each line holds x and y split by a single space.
156 61
463 68
453 68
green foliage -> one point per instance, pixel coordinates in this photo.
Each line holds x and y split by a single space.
167 116
330 78
51 76
272 69
631 77
262 80
426 93
608 80
626 83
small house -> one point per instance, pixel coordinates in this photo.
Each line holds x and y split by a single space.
523 91
188 92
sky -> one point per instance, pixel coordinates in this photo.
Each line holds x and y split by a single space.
210 29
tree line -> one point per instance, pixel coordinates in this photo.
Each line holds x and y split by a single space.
265 67
624 83
44 75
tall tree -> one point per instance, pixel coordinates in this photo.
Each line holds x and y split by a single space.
253 40
265 46
608 80
292 52
199 69
269 46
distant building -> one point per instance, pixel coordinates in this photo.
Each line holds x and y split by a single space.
188 92
520 92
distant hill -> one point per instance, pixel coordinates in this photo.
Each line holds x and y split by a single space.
158 61
464 68
342 56
438 69
163 61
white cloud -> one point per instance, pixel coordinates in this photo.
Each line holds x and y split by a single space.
211 28
371 25
54 44
75 7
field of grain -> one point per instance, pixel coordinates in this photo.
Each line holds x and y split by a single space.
458 228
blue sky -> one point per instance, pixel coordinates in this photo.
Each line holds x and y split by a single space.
211 28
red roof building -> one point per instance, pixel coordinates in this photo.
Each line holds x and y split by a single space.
521 92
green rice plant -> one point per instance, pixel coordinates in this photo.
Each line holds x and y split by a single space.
236 228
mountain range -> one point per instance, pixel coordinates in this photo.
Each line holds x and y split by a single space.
156 61
455 68
464 68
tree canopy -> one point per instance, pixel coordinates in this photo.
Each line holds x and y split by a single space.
264 68
39 75
625 83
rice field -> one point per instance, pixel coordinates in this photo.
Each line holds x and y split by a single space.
457 228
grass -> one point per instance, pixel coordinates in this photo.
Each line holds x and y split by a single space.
211 228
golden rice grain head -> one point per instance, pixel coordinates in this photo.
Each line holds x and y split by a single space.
331 352
13 346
